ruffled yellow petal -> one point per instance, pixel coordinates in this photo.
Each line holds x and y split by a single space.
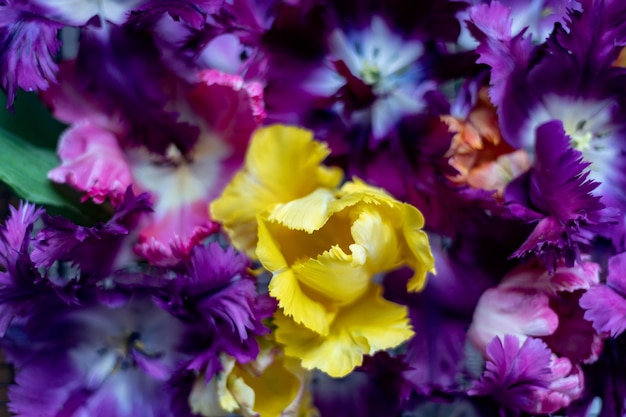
337 354
356 191
286 160
298 301
418 254
335 275
309 213
370 324
300 305
283 163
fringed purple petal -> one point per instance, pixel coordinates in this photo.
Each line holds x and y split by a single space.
62 240
558 188
515 372
29 44
218 296
505 53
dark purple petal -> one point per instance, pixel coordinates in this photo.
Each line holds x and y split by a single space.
218 296
558 189
559 183
95 249
506 54
28 45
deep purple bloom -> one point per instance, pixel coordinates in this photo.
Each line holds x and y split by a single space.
217 297
557 194
106 54
91 332
575 77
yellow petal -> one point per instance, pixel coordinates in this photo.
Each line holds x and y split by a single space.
337 355
274 390
418 254
282 163
335 275
300 305
268 249
379 239
285 159
369 324
383 323
363 192
308 213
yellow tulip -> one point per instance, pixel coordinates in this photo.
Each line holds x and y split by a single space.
324 246
324 250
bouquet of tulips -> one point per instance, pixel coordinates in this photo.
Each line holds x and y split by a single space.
314 208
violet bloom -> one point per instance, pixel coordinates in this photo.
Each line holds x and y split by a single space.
128 333
378 67
22 285
557 194
572 79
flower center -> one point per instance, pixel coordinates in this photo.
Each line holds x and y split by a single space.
588 123
371 74
581 138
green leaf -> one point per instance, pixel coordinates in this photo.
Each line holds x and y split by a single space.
31 120
24 167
